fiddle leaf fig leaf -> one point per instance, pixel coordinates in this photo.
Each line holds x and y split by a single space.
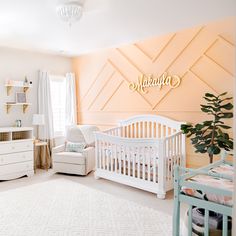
213 150
227 106
227 115
210 95
225 126
222 94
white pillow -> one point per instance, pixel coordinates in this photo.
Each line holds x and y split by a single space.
75 147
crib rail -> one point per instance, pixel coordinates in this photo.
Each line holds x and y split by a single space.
148 126
180 179
123 156
114 131
147 160
175 153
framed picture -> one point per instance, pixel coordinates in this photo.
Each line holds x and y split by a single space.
20 98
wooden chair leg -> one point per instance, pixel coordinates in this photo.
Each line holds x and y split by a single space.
48 158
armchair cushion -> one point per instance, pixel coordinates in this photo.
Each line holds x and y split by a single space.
75 147
70 158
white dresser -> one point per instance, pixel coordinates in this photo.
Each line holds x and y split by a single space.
16 152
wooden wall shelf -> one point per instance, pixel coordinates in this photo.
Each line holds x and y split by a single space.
24 106
9 88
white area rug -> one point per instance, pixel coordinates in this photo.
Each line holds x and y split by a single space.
63 207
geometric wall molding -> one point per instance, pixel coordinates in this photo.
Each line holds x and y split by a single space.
204 58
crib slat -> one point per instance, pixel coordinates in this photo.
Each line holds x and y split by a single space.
133 161
124 161
168 173
181 155
143 162
111 156
115 158
138 157
131 131
171 156
148 129
120 148
154 164
174 151
139 130
225 225
99 154
149 164
128 159
159 130
103 155
178 151
107 155
152 129
206 223
190 220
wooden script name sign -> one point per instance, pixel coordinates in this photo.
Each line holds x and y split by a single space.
147 81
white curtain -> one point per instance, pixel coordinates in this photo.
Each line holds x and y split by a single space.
71 108
46 132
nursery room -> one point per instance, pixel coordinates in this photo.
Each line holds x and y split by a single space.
117 117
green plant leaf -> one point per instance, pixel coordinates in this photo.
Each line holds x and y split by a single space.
199 126
205 110
224 126
225 99
222 94
213 150
210 95
227 115
207 99
227 106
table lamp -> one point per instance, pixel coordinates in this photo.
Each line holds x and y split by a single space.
38 120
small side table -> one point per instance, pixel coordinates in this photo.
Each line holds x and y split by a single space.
38 144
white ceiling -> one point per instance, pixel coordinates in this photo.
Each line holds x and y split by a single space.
34 25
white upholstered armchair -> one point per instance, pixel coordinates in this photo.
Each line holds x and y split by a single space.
80 163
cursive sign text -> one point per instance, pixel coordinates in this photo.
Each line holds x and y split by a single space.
147 81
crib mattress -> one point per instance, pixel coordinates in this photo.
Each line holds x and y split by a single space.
213 182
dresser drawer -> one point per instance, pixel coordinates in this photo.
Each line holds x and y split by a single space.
13 147
17 167
16 157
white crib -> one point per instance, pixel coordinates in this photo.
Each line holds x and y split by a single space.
141 152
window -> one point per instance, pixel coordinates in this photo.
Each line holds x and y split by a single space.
58 94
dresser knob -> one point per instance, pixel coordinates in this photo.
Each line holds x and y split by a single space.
12 147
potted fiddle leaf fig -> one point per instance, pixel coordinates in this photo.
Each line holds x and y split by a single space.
210 136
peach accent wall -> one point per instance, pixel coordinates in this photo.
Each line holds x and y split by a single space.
204 58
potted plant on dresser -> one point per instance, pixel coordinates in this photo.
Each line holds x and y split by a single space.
210 136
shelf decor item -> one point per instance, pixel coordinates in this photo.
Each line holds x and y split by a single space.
18 123
209 136
20 97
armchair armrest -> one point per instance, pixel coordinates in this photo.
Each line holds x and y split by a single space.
89 153
57 149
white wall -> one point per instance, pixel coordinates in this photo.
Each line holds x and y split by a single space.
16 64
